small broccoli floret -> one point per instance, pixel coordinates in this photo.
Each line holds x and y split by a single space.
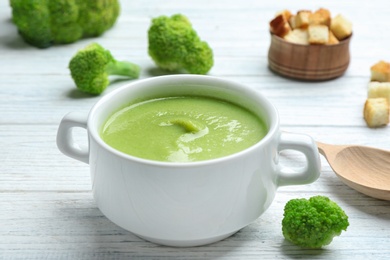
313 223
175 45
45 22
91 66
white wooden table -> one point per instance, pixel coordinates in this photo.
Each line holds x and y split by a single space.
46 206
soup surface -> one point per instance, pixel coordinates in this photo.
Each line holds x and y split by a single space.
182 129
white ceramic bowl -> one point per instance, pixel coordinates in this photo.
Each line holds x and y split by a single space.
195 203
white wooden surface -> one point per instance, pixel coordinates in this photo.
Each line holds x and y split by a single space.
46 207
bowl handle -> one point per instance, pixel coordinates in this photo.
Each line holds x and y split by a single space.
65 141
306 145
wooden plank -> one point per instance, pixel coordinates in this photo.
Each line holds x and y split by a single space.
339 102
68 224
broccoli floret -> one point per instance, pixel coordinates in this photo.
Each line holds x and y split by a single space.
313 223
175 45
91 66
45 22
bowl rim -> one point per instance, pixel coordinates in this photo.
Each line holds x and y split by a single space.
342 42
190 79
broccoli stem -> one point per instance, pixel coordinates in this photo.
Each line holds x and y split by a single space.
188 124
123 68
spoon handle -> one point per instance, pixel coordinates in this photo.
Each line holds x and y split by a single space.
330 151
323 148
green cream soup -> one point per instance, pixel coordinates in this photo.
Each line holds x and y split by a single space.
182 129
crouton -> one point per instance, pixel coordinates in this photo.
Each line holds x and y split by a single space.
318 34
332 38
341 27
321 16
376 112
299 36
291 22
286 14
380 72
379 89
302 19
279 26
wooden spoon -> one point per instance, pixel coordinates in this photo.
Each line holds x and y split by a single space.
364 169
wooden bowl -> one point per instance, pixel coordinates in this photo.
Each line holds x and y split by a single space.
308 62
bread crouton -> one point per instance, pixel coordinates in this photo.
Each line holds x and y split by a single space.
379 89
299 36
380 71
332 38
318 34
321 16
302 19
286 14
341 27
376 112
291 22
279 26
